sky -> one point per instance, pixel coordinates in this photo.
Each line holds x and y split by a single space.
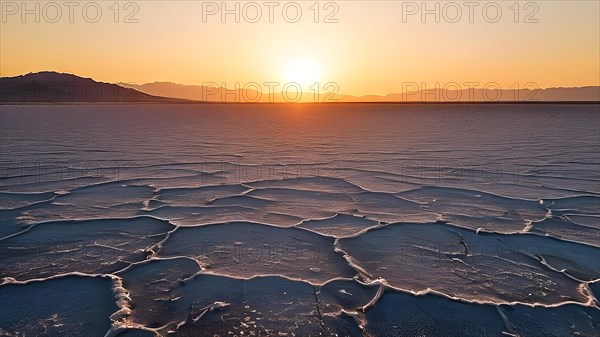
363 47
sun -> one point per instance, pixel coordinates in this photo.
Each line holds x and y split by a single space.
304 72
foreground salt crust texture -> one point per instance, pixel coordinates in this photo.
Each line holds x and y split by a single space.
337 220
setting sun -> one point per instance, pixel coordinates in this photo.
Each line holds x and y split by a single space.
304 72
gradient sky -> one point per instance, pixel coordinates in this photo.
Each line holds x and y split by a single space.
370 50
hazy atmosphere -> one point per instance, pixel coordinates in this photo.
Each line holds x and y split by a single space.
366 47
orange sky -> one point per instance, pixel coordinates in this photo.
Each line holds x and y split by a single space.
374 48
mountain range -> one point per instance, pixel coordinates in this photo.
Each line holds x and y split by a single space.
49 86
217 94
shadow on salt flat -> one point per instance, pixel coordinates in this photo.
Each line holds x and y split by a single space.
483 267
565 320
387 207
340 225
316 183
133 332
11 223
244 249
282 206
592 221
581 205
164 298
88 246
192 216
263 306
151 284
475 209
36 184
58 307
567 230
99 201
595 288
402 314
242 200
14 200
194 196
304 204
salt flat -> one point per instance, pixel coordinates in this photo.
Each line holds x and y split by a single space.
300 220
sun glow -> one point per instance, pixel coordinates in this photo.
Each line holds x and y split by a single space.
303 72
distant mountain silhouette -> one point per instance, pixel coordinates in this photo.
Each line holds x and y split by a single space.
213 93
587 94
51 86
217 94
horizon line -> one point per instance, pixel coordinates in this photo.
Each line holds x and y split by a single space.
435 87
